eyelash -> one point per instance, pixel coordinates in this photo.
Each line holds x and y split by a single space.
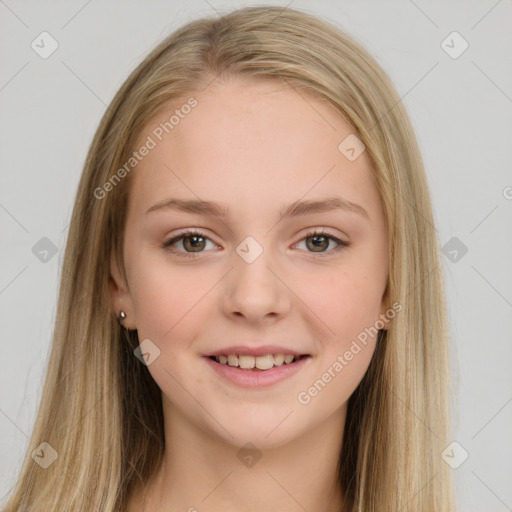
312 233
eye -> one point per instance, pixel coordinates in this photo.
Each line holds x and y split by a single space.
318 241
193 242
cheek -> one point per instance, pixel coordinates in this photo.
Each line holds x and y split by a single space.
167 298
170 309
348 302
342 302
335 383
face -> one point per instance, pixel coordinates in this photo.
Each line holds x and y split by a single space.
249 281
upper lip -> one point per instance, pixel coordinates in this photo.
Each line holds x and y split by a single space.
261 350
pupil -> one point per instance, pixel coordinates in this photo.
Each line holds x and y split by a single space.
194 240
318 240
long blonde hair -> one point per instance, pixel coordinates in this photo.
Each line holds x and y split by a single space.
101 410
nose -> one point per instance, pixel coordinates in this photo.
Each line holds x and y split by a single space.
255 288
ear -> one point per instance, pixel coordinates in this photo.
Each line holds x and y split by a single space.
120 296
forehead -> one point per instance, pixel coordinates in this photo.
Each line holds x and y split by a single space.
254 143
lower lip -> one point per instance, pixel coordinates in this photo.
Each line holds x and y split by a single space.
257 378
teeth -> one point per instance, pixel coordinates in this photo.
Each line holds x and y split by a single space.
246 362
232 360
265 362
278 359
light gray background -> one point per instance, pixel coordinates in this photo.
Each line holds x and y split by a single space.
462 112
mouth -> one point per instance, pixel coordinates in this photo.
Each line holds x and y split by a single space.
248 371
257 363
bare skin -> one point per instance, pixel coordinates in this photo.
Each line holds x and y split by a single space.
254 147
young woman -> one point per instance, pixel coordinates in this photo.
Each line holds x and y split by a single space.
252 315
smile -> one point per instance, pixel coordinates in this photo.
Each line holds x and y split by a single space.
256 371
248 362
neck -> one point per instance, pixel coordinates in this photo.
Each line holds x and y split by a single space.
203 473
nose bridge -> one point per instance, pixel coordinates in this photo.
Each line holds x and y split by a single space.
252 287
251 260
250 249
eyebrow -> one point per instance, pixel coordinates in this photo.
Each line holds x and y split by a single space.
295 209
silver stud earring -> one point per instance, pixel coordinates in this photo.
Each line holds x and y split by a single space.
121 317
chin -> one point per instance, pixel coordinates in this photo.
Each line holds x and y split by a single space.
265 431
